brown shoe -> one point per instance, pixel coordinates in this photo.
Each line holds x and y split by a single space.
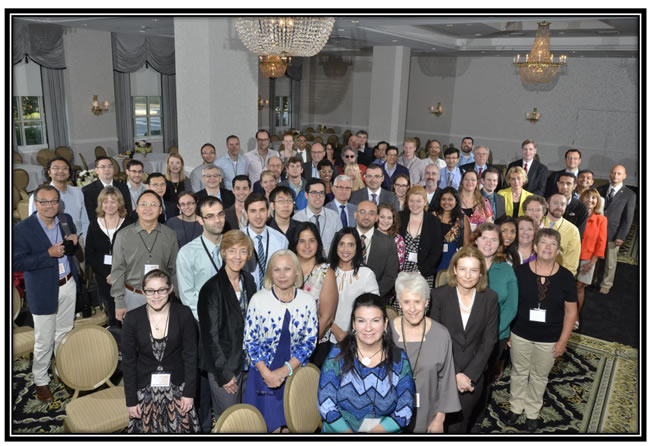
44 393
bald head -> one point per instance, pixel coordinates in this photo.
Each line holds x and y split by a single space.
617 175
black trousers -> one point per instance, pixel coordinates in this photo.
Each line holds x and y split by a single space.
461 422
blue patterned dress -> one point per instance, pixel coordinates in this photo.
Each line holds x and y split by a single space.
275 332
365 392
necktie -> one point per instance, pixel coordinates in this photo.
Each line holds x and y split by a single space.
374 198
449 180
480 169
610 196
261 259
363 247
526 167
552 224
317 223
344 217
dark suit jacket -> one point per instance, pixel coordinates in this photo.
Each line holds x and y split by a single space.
180 357
170 210
231 219
384 197
91 192
30 245
470 166
306 170
227 197
500 205
430 249
551 184
537 176
619 212
473 345
434 204
383 261
576 212
222 326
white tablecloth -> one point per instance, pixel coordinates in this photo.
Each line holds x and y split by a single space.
29 154
36 175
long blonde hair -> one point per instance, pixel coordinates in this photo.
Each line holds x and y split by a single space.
357 182
181 174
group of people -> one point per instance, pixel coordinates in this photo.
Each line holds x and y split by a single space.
227 281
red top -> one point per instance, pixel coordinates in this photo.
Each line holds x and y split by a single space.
594 240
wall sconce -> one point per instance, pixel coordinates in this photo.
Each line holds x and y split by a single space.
261 103
437 110
98 109
534 116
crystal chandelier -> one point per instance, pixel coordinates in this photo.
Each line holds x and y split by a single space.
277 39
539 66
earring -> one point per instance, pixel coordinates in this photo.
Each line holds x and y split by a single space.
354 332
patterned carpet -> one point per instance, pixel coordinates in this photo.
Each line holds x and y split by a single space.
593 388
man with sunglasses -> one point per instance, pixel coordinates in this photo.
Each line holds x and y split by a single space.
105 172
139 248
45 254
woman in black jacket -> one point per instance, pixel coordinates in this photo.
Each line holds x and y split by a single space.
422 235
159 361
111 218
222 305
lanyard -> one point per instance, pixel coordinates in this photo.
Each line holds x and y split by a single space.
111 238
363 381
162 355
145 245
417 359
208 253
266 252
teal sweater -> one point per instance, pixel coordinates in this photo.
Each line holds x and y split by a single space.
502 279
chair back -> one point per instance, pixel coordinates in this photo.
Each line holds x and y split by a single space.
173 149
21 179
346 136
240 418
17 303
301 400
309 137
442 278
64 152
330 130
44 156
117 173
333 139
275 138
318 139
309 130
99 151
16 157
125 161
86 358
83 161
390 311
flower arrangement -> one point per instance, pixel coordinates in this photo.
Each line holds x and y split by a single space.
86 177
143 147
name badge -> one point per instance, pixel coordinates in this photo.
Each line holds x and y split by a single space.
369 424
537 315
108 259
61 268
413 257
417 400
148 268
445 247
160 379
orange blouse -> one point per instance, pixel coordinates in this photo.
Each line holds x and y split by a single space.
594 240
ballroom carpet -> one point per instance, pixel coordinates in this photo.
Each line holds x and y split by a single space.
593 388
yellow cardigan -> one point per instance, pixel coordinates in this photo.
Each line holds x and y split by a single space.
507 195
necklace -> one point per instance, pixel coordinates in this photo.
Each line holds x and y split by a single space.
365 360
424 329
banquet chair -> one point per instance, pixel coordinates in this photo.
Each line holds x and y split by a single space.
390 311
99 151
330 130
20 179
23 337
16 157
442 278
275 138
44 156
309 130
83 161
333 139
125 161
309 137
117 173
66 152
301 400
99 318
240 418
85 360
346 136
318 139
173 149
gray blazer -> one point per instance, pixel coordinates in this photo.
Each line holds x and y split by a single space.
383 261
619 212
350 208
384 197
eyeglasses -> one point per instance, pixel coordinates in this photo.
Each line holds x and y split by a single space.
188 204
211 152
262 140
317 193
109 166
47 202
211 176
343 187
62 168
401 185
136 171
369 213
317 152
161 292
144 204
283 201
213 216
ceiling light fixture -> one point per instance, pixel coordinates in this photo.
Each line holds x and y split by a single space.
354 21
277 39
539 66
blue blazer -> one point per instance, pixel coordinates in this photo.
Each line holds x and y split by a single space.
41 271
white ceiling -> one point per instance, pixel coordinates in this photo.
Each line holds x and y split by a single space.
614 35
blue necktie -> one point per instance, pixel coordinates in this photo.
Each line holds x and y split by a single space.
261 259
344 217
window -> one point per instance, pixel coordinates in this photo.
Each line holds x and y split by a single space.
282 112
146 116
29 120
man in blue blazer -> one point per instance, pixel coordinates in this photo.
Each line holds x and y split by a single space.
51 279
